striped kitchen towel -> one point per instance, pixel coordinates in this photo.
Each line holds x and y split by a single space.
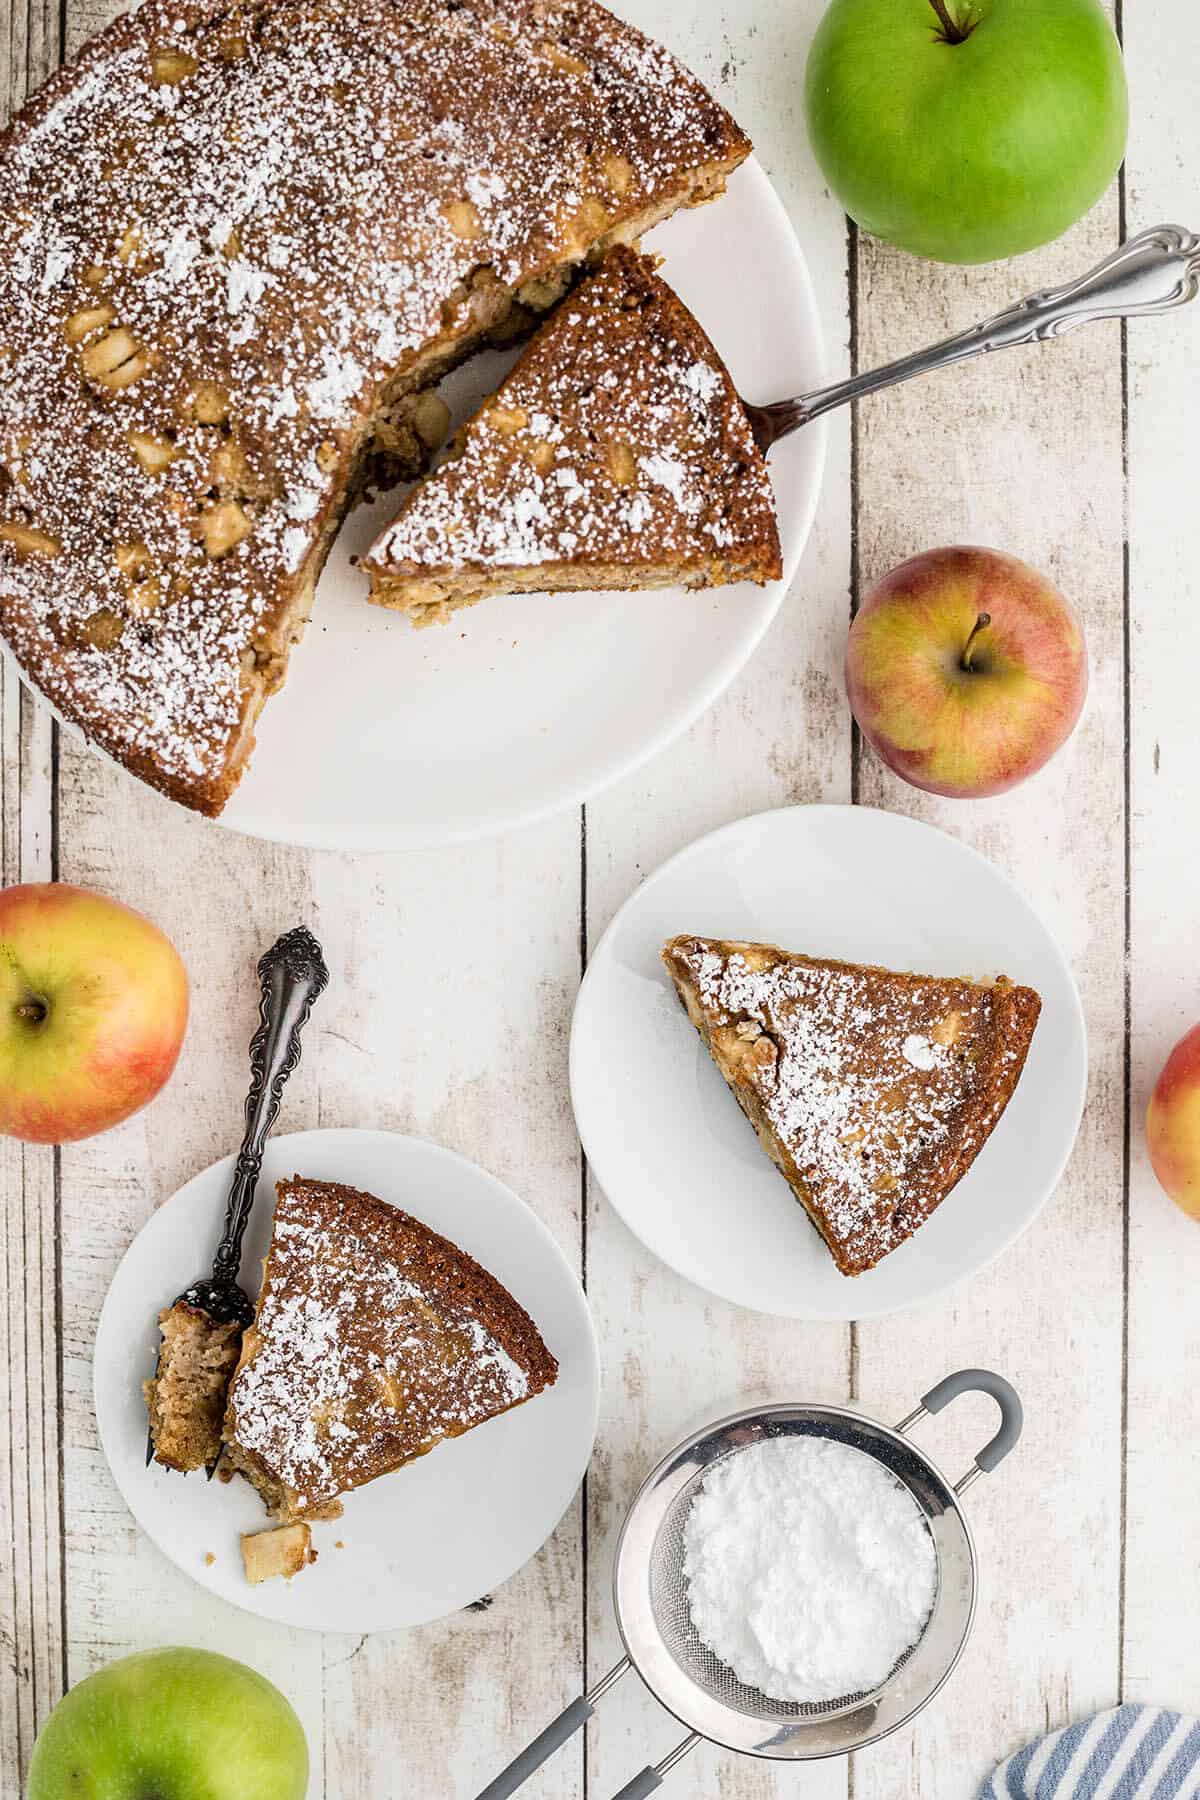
1128 1753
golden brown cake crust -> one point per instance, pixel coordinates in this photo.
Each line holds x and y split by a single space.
873 1092
616 454
231 236
374 1340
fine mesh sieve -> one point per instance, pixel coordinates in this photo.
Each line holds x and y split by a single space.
668 1590
650 1596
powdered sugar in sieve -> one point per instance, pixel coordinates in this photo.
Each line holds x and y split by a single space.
810 1570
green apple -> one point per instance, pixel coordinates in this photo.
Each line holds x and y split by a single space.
93 1008
171 1725
966 670
966 130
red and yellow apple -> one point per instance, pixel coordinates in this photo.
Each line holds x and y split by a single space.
1173 1124
966 670
93 1008
171 1725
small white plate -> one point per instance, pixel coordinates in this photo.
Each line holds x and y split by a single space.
429 1538
666 1140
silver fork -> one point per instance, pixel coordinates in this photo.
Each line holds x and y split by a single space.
293 975
1153 272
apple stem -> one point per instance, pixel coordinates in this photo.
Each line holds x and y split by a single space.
33 1010
952 31
983 620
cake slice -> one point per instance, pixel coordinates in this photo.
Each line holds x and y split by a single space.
374 1340
617 454
238 247
872 1092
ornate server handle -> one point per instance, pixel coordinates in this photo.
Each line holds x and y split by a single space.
1153 272
293 974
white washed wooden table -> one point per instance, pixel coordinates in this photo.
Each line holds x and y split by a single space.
454 975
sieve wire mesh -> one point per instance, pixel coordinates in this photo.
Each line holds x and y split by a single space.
669 1604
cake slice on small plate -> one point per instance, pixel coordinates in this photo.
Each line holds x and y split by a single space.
374 1340
617 454
873 1092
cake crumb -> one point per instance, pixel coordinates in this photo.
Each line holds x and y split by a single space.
284 1550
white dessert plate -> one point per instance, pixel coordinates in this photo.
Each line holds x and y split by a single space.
427 1539
667 1141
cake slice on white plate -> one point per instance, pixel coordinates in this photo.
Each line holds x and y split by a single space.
617 454
872 1092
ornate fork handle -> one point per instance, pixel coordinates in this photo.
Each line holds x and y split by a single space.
1153 272
292 974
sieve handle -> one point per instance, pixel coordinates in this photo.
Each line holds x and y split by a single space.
1012 1415
648 1781
568 1722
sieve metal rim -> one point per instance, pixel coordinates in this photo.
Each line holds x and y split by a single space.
948 1517
803 1738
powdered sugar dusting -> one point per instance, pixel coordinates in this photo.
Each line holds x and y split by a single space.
880 1089
918 1051
618 438
285 203
373 1341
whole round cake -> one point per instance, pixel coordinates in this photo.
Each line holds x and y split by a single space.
238 246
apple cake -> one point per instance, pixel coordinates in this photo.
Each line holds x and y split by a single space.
238 245
374 1340
616 455
872 1092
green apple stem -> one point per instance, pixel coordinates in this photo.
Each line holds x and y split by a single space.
952 31
981 622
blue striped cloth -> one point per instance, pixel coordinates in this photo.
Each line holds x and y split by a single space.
1129 1753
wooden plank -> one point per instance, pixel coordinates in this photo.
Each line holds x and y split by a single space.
672 1355
222 899
459 971
31 1670
437 1021
29 50
31 1600
1162 1586
405 940
1022 451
